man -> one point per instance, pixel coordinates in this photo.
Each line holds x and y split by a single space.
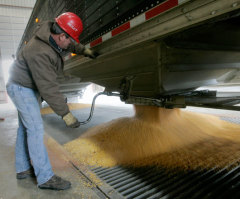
34 75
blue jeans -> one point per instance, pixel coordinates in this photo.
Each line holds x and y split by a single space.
30 134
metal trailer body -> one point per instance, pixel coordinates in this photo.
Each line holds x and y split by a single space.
161 54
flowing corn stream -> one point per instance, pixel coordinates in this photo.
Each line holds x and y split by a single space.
170 138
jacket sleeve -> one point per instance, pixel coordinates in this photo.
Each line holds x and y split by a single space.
77 48
44 74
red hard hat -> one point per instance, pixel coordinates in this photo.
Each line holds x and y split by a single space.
71 24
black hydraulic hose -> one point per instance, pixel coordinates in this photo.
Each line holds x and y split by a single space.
156 102
93 104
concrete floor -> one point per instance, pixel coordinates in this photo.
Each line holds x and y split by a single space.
56 135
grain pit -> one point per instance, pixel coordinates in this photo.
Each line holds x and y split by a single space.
172 138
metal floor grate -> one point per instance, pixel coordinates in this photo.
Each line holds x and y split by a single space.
160 183
153 183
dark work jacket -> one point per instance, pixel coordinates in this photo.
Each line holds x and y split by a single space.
38 65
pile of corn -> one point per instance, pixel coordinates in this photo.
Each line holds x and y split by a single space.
169 138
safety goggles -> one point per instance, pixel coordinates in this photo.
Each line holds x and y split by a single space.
72 40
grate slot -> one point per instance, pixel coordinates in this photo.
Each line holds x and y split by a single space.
158 195
97 169
106 173
143 189
105 170
149 193
117 179
133 175
123 186
100 171
113 174
147 180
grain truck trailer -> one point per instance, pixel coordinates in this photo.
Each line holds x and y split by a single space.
155 52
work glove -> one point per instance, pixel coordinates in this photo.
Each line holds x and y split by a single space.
71 121
90 53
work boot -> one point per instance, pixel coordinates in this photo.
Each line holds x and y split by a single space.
25 174
56 183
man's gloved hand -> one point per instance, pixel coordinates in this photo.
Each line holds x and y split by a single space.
71 121
90 53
